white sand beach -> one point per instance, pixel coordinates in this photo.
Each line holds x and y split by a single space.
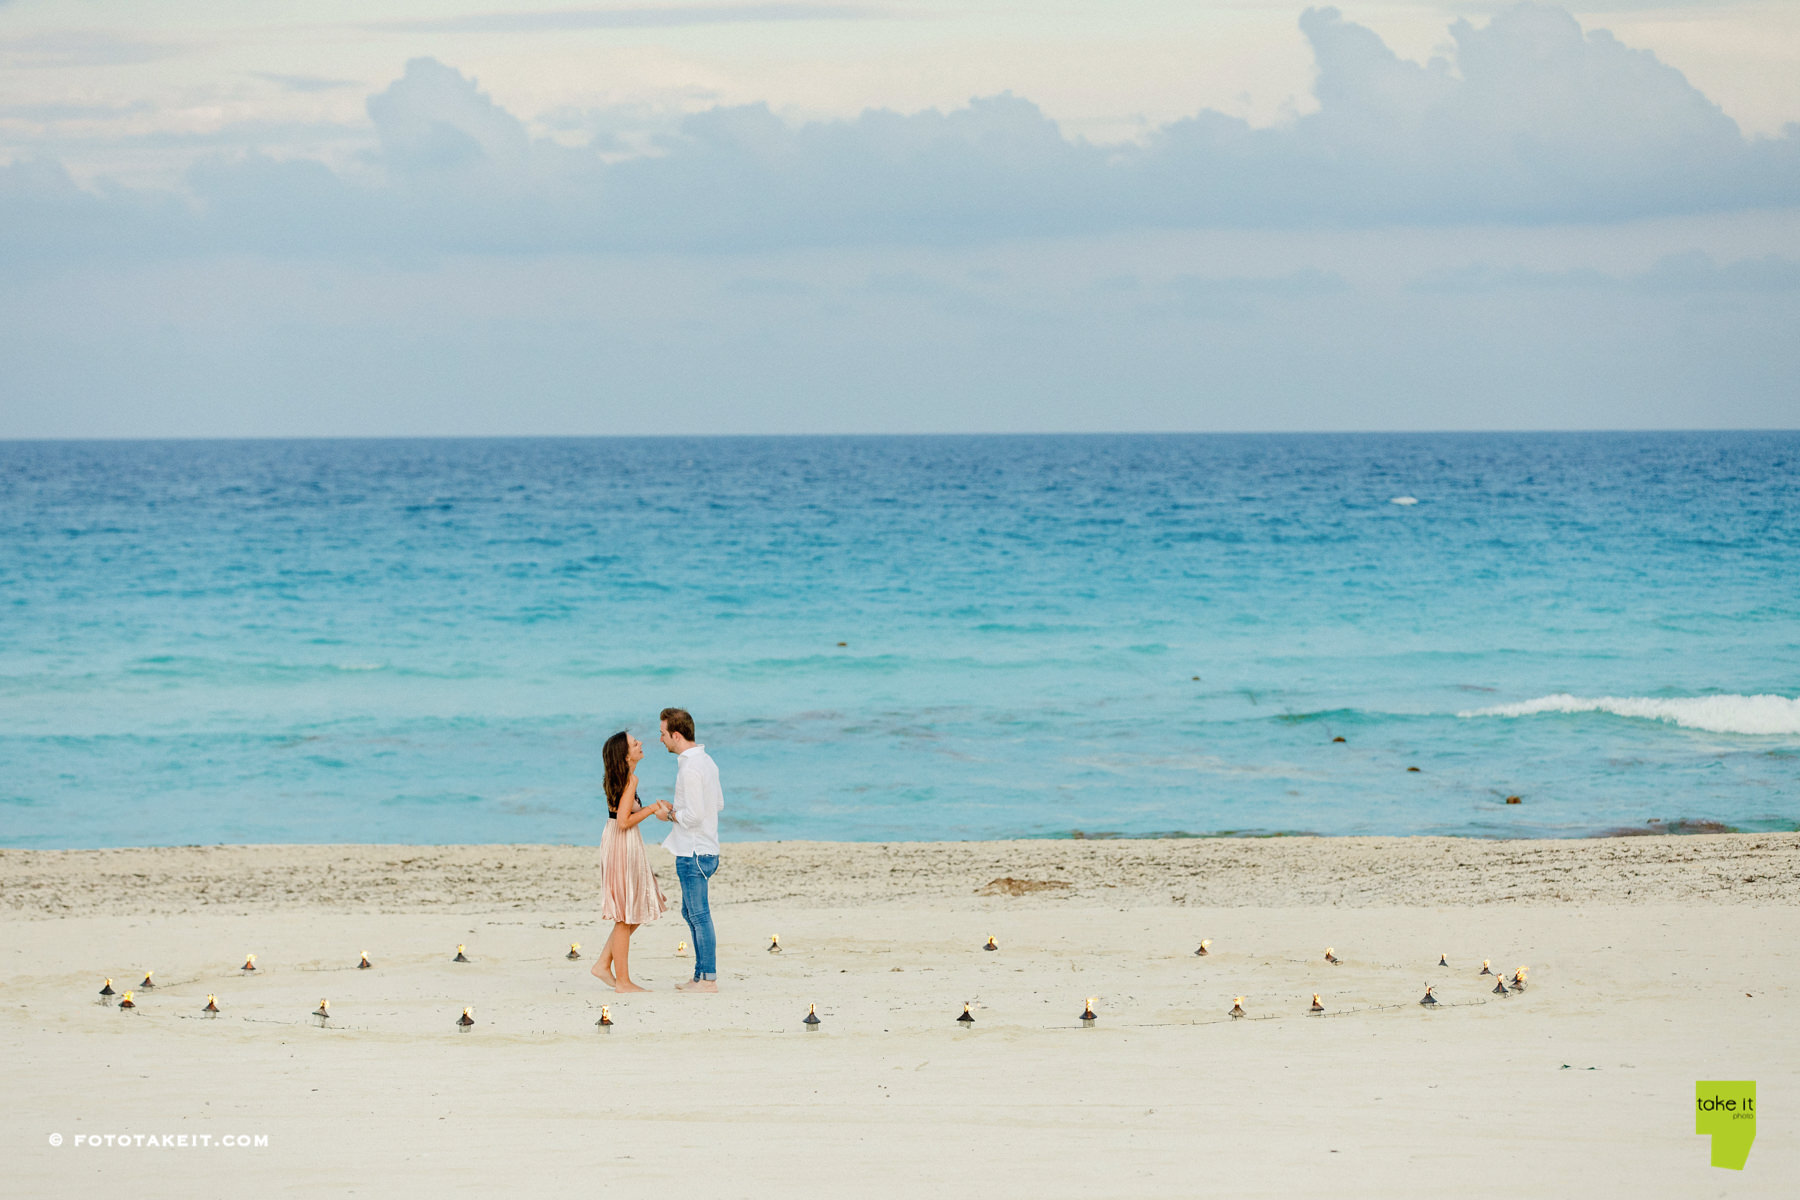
1654 962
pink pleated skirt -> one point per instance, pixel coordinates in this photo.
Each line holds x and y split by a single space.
628 888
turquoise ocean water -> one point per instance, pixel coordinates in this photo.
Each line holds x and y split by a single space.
427 641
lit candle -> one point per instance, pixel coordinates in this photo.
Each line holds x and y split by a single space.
1500 987
322 1013
212 1007
127 1004
811 1020
1428 1000
460 956
107 993
1237 1006
774 943
148 984
1205 948
574 951
967 1020
605 1023
680 949
1331 958
365 964
991 945
1316 1008
1443 959
1484 967
1087 1014
465 1022
249 964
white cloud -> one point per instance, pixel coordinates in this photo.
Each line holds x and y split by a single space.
432 118
305 84
1527 119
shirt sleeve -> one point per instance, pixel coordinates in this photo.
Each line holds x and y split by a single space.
687 801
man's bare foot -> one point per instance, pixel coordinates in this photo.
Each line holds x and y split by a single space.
625 985
698 985
599 971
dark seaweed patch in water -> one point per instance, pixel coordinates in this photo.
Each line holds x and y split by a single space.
1348 715
1683 826
1114 835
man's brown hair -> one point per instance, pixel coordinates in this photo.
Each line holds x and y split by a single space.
679 720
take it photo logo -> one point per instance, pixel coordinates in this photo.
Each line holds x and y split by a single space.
1726 1108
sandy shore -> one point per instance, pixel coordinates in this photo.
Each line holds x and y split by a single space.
1655 962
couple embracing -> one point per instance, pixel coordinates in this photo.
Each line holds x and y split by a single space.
630 895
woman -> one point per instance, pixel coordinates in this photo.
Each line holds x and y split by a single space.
629 892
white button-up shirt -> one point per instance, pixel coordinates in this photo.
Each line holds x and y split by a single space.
697 803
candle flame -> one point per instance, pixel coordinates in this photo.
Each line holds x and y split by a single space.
459 947
573 946
605 1013
128 995
323 1003
465 1012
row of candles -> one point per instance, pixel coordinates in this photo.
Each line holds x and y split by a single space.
574 955
811 1022
774 947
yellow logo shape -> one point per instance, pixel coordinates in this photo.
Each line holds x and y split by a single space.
1726 1108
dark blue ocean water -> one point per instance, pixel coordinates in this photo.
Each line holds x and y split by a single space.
427 641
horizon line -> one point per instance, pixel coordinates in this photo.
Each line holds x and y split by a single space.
944 434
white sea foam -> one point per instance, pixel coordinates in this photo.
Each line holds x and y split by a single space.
1716 714
1404 500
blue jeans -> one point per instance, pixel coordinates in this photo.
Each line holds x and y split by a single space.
692 871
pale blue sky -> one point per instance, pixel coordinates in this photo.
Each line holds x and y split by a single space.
412 218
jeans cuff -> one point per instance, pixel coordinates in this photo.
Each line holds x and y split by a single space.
712 975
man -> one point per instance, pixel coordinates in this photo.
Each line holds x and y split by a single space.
694 840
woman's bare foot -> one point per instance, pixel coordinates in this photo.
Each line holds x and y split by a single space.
599 971
625 985
697 985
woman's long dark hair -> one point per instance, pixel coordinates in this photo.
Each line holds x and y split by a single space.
612 757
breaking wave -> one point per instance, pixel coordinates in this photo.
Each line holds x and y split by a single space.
1716 714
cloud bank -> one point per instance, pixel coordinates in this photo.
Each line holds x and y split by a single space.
575 19
1688 274
1529 120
